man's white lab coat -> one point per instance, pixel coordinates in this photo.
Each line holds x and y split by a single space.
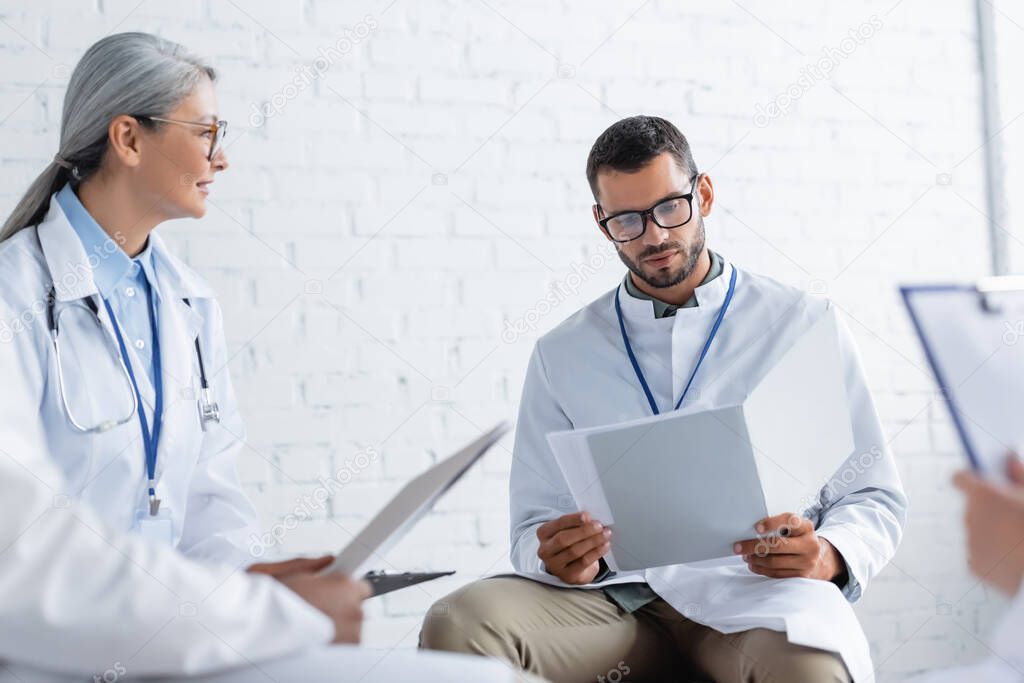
579 376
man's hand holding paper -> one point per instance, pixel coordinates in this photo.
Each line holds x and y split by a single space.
788 547
571 546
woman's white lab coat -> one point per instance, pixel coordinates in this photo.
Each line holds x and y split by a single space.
197 482
579 376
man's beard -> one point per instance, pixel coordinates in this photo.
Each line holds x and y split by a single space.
662 278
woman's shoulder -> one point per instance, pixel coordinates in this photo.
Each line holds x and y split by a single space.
23 271
24 285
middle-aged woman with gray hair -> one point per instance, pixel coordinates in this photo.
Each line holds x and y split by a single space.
123 525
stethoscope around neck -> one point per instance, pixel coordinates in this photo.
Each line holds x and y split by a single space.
209 411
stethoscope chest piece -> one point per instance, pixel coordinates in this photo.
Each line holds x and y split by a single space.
209 411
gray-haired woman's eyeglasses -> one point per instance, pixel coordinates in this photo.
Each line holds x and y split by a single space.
217 130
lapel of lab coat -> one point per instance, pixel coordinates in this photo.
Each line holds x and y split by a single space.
179 323
71 273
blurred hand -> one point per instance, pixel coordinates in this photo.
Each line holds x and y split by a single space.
571 546
1015 470
299 565
796 552
337 596
994 522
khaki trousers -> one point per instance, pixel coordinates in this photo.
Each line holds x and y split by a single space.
571 634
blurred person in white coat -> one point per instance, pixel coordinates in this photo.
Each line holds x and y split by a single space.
780 615
80 600
119 428
994 522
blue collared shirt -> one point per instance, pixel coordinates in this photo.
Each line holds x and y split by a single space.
128 284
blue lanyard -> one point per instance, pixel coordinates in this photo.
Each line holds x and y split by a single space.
703 353
150 440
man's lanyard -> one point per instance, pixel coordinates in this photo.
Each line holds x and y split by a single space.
150 440
703 353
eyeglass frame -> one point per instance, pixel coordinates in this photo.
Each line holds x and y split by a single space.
603 222
214 128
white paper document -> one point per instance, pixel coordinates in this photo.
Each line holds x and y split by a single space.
367 549
683 487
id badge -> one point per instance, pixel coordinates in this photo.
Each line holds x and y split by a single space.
157 528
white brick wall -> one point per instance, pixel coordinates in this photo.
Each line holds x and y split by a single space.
378 228
1008 21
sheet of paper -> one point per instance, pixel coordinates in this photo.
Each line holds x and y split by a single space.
806 382
581 474
657 479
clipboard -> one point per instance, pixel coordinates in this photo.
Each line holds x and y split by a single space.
973 340
407 507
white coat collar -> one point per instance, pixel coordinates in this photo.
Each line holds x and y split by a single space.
710 297
71 273
71 267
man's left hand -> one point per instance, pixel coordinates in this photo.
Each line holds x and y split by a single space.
796 552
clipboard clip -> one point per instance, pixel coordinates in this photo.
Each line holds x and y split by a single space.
989 287
382 582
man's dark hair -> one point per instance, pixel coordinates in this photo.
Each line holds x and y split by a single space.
630 144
